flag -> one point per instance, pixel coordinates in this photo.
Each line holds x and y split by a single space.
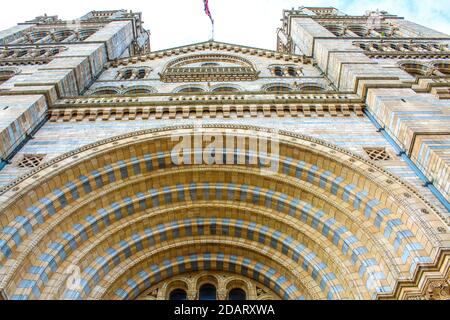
208 13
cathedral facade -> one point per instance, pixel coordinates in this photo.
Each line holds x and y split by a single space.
216 171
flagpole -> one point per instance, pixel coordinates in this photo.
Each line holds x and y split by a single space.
208 13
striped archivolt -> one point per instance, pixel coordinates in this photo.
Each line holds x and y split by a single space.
113 219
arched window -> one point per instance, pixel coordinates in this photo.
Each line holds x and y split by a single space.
61 35
207 292
141 74
210 64
104 92
84 34
415 69
292 72
237 294
178 294
140 90
191 90
278 72
279 88
38 35
5 75
337 30
359 30
209 68
225 89
443 67
311 87
127 74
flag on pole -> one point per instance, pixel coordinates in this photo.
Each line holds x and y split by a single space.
208 13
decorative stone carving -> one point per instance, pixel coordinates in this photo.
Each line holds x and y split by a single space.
438 290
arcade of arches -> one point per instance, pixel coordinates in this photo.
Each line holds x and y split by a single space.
208 286
133 225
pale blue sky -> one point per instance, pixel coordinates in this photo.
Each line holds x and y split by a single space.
248 22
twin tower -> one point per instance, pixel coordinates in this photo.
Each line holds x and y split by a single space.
354 206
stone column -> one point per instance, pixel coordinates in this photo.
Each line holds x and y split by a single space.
222 294
192 294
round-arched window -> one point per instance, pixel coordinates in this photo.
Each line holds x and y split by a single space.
311 88
178 294
127 74
207 292
104 92
278 72
415 69
292 72
139 90
237 294
5 75
225 89
279 88
443 67
210 64
191 90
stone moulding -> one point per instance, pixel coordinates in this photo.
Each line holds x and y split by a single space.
12 188
210 111
408 200
211 45
431 282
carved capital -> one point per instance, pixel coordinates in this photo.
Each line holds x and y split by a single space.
192 295
438 290
222 294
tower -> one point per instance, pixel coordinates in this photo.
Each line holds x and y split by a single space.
319 170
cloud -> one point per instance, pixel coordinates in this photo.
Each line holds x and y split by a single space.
250 22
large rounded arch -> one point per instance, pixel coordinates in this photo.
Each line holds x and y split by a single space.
122 216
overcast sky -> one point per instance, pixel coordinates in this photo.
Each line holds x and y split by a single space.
248 22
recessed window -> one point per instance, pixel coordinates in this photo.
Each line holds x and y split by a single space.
415 69
141 74
337 30
279 89
104 92
207 292
278 72
225 89
62 35
292 72
31 160
312 88
443 67
127 74
359 30
191 90
377 154
140 90
5 75
210 64
237 294
178 294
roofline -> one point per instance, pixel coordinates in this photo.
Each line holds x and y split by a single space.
212 42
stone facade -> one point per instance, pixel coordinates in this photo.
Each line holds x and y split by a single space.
355 206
